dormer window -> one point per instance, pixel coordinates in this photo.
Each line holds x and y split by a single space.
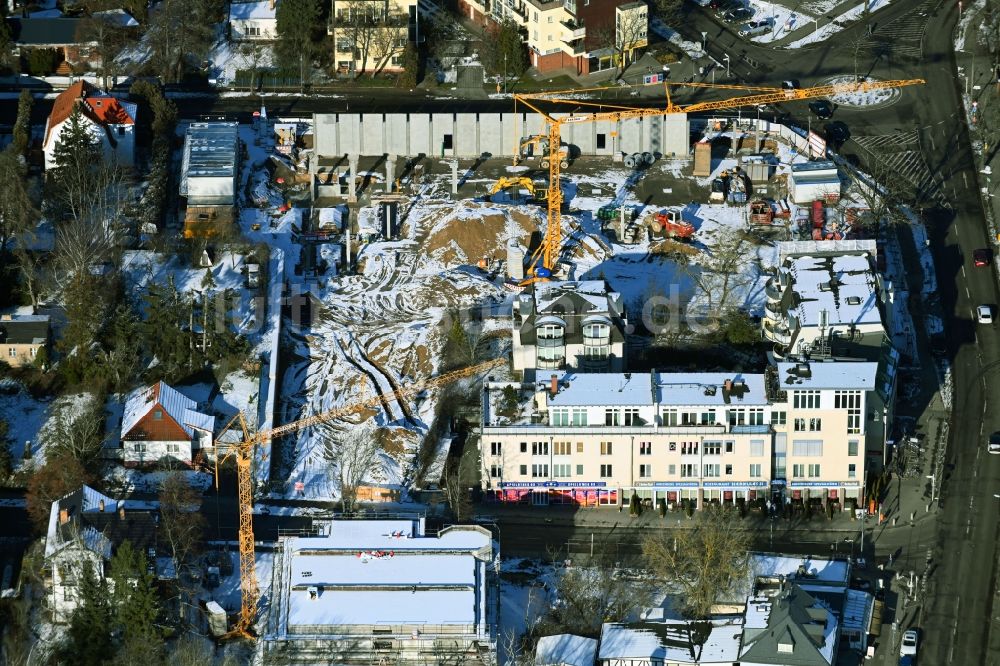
158 415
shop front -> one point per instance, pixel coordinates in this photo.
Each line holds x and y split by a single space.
826 493
673 493
547 493
735 493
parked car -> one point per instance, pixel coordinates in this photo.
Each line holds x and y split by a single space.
837 133
982 256
738 15
822 108
993 444
754 28
984 314
906 660
909 645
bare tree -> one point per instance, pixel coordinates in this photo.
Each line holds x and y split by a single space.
388 41
32 267
192 650
77 428
181 525
628 33
881 190
358 22
252 54
458 478
352 456
704 562
721 271
80 245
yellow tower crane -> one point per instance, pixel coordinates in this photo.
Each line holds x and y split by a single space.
543 260
243 453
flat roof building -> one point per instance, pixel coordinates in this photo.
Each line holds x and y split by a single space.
211 164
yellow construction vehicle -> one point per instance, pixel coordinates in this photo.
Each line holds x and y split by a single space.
516 184
243 452
544 259
537 146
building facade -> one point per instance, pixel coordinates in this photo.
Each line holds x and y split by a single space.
568 325
794 434
384 591
370 35
110 121
22 338
583 35
253 21
160 424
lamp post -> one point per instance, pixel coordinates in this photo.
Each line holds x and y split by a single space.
704 40
504 72
726 58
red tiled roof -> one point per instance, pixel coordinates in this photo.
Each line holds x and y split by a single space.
107 111
99 108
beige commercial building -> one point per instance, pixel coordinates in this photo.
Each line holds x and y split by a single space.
796 433
568 325
370 35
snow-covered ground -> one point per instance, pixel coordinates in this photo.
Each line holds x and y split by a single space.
862 98
25 417
782 19
827 30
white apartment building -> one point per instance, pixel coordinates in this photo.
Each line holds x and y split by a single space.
370 35
796 433
826 298
585 35
568 325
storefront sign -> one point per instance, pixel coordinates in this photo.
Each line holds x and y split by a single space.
553 484
667 484
824 484
735 484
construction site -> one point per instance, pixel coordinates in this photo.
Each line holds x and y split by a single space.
399 272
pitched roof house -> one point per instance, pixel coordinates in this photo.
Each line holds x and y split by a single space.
111 121
159 423
792 628
60 33
21 338
253 21
85 529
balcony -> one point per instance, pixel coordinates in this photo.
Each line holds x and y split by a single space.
774 291
773 311
572 31
776 332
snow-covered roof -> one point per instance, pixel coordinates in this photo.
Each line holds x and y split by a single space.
181 409
118 17
834 290
594 293
707 388
643 388
816 375
603 388
246 11
670 642
857 613
817 568
565 650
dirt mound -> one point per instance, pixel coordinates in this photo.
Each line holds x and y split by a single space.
470 231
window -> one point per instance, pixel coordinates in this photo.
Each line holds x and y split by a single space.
708 418
561 471
11 352
632 416
737 417
524 470
539 448
562 448
121 130
606 448
611 417
602 141
689 418
815 425
713 448
560 417
672 446
814 471
755 471
729 470
688 471
756 448
670 417
798 471
494 448
689 448
173 448
852 471
779 418
800 425
756 416
524 447
539 471
671 469
550 19
645 471
495 471
852 447
854 421
807 448
605 471
139 448
447 142
579 447
579 470
33 351
645 448
252 30
579 416
730 446
158 415
847 399
806 399
711 470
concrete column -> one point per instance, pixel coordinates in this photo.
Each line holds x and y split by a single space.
390 173
352 179
454 177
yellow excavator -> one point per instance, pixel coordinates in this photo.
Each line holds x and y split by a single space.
516 184
537 146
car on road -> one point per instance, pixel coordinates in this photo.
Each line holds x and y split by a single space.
738 15
982 256
909 645
993 445
984 314
822 108
906 660
837 133
754 28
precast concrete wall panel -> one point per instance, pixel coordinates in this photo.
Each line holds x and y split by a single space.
491 134
420 135
676 135
397 137
631 135
349 131
442 126
325 126
372 133
467 131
